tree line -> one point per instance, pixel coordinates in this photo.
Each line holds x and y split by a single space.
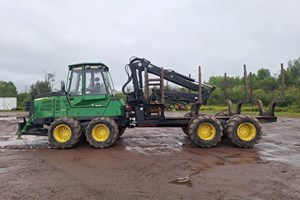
8 89
266 87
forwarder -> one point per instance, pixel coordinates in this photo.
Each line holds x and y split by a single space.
88 106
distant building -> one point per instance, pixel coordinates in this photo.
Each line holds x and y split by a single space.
8 103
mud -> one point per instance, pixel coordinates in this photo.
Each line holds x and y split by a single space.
152 163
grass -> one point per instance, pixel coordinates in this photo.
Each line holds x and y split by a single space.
251 110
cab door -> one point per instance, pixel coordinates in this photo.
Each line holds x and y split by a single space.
95 88
88 87
75 89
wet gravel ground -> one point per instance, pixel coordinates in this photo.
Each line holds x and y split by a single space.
152 163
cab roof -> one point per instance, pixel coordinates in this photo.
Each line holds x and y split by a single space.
91 64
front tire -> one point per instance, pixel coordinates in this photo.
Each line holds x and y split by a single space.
205 130
102 132
244 131
64 133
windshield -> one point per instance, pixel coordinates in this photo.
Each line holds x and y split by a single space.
108 82
97 81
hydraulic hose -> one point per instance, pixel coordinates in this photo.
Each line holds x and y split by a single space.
127 82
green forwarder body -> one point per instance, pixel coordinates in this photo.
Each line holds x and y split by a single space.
88 98
86 107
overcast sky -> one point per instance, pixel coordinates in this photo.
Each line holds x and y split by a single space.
219 35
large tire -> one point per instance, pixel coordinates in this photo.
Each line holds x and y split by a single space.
64 133
243 130
121 131
223 122
189 114
102 132
185 128
205 130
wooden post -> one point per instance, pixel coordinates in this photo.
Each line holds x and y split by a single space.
225 86
282 84
200 86
189 77
246 84
162 86
251 87
146 84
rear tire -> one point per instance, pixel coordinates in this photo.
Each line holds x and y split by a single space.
189 114
121 131
185 128
102 132
244 131
64 133
223 122
205 130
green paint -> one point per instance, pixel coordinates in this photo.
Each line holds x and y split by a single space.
89 94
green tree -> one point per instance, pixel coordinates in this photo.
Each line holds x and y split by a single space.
263 73
119 94
216 81
216 98
293 72
269 84
22 98
40 87
7 89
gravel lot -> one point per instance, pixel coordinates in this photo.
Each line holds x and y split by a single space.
151 163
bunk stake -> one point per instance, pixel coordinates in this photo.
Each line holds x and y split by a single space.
162 100
146 84
200 86
225 86
272 105
282 98
251 87
246 85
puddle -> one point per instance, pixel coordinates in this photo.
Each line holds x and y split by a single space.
183 181
159 150
280 152
27 142
7 118
153 141
4 138
6 169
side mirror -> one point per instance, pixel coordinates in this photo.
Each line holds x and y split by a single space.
62 86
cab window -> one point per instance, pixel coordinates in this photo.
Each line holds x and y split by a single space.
94 83
76 82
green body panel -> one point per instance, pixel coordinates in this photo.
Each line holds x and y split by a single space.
78 106
89 94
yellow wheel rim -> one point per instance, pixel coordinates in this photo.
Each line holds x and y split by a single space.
206 131
62 133
246 131
100 132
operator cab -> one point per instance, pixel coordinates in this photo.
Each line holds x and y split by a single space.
89 79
